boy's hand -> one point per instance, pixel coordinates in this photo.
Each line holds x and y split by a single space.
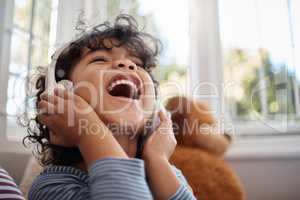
65 113
162 142
157 150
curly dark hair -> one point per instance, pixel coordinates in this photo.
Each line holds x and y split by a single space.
125 31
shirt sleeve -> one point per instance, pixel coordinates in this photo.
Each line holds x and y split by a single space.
8 188
183 192
109 178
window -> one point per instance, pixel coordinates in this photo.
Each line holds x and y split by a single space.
251 45
28 27
217 28
260 40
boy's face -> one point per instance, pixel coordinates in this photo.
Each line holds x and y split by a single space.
111 81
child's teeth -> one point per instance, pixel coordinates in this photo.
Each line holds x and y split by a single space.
123 81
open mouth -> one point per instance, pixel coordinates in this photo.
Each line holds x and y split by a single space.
127 86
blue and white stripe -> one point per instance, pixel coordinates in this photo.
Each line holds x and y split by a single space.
108 178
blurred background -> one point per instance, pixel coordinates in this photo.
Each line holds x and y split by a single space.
242 57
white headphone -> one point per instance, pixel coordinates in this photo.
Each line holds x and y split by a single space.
50 76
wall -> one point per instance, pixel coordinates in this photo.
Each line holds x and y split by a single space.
14 163
269 179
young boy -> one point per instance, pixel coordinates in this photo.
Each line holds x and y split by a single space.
104 153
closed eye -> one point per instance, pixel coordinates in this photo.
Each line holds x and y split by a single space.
98 60
137 62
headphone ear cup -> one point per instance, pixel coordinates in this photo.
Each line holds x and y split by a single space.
66 84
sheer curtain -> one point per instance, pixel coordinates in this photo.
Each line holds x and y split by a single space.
205 58
91 11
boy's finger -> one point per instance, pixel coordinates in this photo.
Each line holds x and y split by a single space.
46 107
55 100
162 116
63 93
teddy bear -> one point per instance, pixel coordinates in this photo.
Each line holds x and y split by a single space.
199 151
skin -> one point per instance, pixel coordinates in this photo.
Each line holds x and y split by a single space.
96 69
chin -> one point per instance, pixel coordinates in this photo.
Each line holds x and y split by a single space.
124 113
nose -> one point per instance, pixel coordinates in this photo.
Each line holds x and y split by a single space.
125 64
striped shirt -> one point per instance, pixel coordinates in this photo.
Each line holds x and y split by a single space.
108 178
8 189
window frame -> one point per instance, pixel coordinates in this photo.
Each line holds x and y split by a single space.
6 10
206 50
11 142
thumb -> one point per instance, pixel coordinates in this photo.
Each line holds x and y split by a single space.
164 115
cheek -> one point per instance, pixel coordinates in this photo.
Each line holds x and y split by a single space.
88 86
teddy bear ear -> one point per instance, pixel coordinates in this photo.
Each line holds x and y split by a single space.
177 104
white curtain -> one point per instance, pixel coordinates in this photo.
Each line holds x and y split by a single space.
69 13
92 11
206 61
